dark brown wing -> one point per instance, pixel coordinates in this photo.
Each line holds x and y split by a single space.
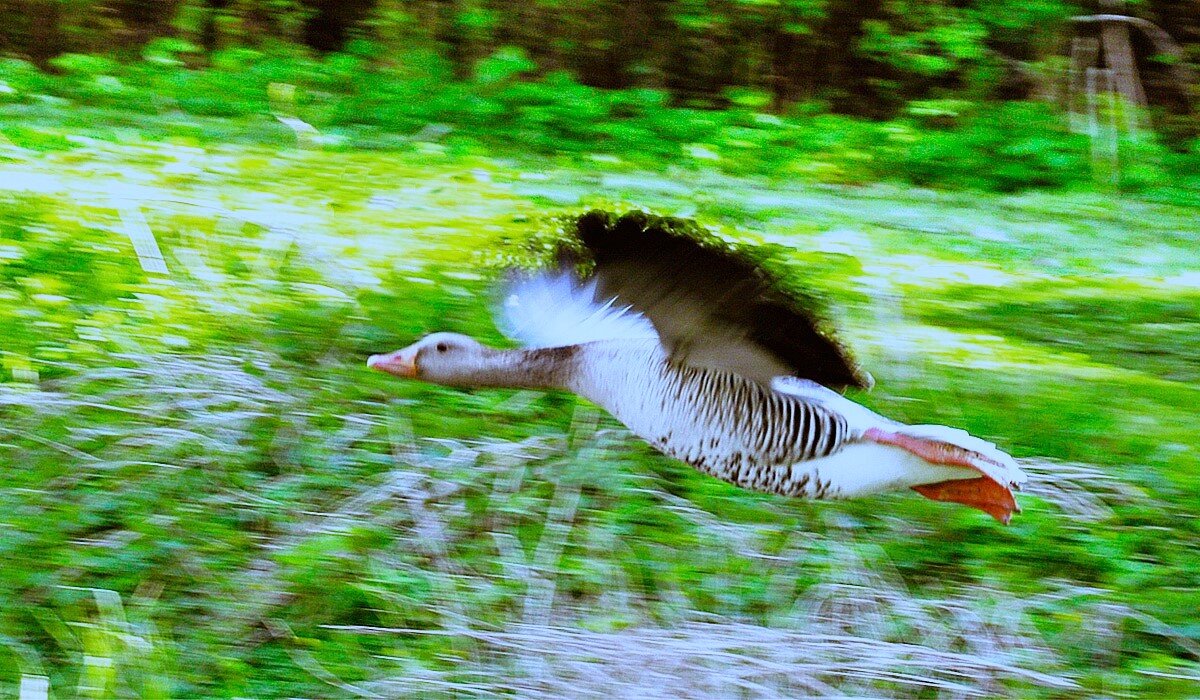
712 305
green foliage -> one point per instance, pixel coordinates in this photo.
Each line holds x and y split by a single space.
932 40
208 494
1011 147
863 58
938 143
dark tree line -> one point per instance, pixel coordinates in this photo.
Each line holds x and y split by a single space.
863 57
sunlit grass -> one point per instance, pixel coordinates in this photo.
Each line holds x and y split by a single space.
208 493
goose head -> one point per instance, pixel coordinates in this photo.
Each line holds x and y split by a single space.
442 358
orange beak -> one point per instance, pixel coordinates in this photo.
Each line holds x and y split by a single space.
399 363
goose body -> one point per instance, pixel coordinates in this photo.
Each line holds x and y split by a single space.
713 390
720 423
761 438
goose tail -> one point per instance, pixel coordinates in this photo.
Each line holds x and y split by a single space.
939 462
983 456
998 475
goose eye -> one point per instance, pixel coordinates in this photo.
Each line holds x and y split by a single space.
441 347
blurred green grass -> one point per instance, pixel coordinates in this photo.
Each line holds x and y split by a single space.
207 493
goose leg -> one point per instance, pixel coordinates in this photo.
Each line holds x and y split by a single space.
982 492
931 450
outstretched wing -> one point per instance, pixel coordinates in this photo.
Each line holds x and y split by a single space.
712 305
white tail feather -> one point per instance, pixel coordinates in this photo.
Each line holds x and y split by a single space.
553 309
865 468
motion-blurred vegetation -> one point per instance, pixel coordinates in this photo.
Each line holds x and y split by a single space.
863 58
936 94
211 213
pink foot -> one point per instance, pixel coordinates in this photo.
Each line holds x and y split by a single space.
932 451
982 492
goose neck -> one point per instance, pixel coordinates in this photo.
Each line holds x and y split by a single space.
536 368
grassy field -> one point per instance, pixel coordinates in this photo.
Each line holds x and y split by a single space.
207 492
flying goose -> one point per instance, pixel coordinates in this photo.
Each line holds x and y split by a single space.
705 354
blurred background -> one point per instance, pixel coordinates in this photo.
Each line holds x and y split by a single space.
212 212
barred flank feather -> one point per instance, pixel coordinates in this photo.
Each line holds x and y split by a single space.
722 424
794 438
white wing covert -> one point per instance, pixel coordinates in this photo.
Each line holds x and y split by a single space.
554 309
